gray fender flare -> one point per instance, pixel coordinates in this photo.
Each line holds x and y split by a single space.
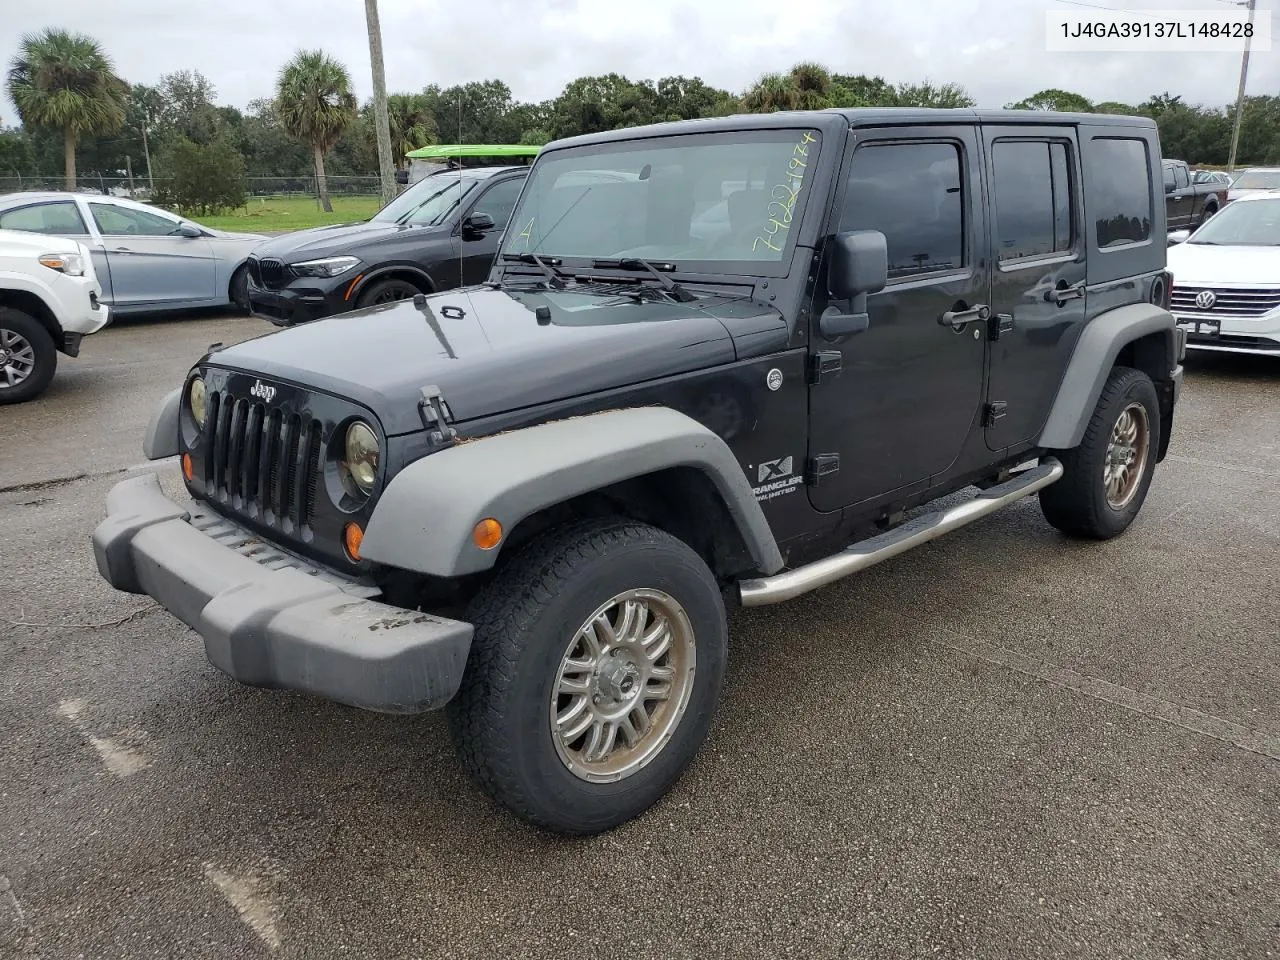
161 439
424 519
1094 356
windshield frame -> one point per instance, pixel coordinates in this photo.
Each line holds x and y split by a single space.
806 220
453 177
1232 210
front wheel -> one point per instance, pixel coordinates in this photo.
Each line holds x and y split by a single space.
239 290
597 662
1105 479
387 291
28 357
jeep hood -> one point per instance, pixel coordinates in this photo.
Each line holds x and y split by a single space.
486 350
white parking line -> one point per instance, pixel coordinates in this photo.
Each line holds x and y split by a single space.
1244 738
119 758
7 887
243 893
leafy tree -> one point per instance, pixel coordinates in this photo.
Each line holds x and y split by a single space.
64 81
861 91
203 178
1063 101
808 86
315 103
412 124
926 94
1114 106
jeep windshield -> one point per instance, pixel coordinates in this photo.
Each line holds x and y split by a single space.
428 202
708 203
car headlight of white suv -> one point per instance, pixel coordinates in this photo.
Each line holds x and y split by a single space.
72 264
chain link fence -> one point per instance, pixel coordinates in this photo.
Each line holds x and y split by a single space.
140 188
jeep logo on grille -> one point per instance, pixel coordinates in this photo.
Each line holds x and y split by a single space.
261 390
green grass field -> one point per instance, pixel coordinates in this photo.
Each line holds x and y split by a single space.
275 214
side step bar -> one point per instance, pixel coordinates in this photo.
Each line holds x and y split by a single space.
926 527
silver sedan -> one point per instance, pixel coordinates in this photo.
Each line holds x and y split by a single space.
147 259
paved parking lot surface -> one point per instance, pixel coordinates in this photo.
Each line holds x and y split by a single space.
1003 744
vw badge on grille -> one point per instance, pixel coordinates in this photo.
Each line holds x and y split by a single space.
1205 299
263 391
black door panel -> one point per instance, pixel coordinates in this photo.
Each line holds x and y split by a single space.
1038 284
911 385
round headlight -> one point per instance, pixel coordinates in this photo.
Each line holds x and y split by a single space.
198 399
362 455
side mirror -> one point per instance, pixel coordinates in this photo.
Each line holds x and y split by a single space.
1169 187
477 224
1178 236
190 231
859 265
402 177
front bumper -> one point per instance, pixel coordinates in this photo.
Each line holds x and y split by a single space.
288 306
1227 334
271 620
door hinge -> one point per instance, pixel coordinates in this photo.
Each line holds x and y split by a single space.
826 363
999 325
993 412
823 465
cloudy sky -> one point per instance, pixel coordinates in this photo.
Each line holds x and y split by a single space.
995 48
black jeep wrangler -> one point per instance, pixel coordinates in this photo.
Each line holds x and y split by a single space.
715 362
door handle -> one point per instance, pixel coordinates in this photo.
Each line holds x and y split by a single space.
1062 294
121 250
956 319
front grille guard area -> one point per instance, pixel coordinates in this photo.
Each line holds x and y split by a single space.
264 465
234 537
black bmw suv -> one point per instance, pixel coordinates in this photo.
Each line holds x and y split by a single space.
439 234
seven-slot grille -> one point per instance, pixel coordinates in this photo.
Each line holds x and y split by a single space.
1234 302
264 464
268 273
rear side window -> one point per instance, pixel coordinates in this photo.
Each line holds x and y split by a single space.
913 194
1033 198
1119 200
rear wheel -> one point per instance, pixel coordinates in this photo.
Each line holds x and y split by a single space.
1105 479
28 357
597 661
1208 212
386 291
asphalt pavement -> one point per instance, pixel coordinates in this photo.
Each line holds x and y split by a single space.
1002 745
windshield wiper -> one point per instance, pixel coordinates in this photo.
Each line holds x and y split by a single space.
546 264
636 263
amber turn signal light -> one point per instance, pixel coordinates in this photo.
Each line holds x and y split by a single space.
487 534
188 470
352 537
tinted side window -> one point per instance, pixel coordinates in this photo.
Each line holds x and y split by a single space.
59 219
116 221
499 200
1032 198
1119 198
1180 176
913 194
1168 179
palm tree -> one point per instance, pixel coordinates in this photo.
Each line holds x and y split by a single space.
64 81
412 124
807 86
315 103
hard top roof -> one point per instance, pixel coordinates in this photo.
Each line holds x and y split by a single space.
854 117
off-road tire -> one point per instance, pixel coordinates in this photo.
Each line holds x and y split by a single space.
1205 214
238 290
1077 503
46 356
386 291
524 619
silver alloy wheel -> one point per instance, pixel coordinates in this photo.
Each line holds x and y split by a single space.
1127 453
623 685
17 358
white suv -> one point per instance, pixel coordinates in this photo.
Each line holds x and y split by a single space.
48 304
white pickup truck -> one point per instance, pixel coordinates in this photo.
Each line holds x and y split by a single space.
48 304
